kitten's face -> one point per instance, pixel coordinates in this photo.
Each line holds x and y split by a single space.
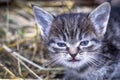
74 40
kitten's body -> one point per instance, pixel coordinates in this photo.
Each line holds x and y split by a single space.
88 45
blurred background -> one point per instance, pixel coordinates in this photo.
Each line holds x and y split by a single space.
22 51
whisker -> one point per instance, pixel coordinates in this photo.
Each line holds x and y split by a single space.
88 63
52 62
97 62
94 62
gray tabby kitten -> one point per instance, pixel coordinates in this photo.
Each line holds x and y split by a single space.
88 45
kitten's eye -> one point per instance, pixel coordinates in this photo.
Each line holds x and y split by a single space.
60 44
84 43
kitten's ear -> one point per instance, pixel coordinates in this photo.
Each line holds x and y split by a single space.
43 20
100 17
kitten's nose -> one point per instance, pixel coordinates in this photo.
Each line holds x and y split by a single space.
73 55
73 51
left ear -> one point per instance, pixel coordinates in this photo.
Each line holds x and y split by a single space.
100 17
43 20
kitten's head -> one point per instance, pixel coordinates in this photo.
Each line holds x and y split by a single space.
74 40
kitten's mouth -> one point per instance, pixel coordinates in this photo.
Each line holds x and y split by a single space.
73 60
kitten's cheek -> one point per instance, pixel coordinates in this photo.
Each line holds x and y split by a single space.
51 49
65 56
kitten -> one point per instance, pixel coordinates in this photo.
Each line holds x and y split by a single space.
88 45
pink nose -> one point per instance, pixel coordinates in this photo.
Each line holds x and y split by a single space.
73 55
73 51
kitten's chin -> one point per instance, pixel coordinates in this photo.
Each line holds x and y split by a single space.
74 64
74 60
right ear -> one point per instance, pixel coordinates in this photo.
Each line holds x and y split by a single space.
43 20
100 17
